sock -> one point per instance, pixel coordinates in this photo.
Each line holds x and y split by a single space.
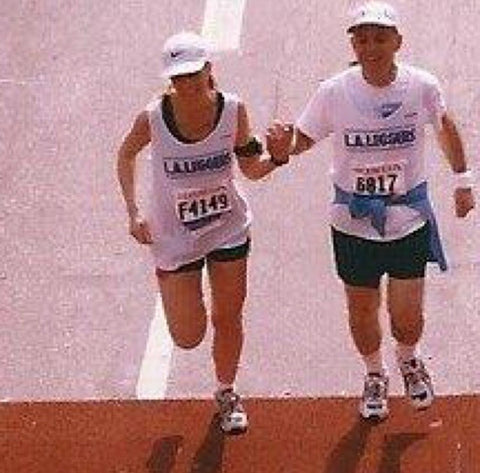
223 386
374 363
405 353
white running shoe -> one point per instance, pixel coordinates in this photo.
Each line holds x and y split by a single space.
233 418
373 404
417 382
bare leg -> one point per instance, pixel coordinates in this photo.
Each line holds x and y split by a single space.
405 306
184 308
363 304
229 285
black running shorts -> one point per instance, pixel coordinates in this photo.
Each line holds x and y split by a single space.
222 254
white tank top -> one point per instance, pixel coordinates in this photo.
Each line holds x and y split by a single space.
378 141
195 204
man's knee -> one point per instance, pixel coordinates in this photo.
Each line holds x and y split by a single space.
407 329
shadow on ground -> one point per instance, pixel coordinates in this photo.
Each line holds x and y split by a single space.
348 453
207 459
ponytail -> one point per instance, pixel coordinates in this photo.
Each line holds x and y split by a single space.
211 80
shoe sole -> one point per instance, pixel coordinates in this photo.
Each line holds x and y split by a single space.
422 405
234 430
375 416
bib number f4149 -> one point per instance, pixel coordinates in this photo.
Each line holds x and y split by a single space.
199 208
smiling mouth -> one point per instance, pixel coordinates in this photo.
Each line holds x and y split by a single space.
372 61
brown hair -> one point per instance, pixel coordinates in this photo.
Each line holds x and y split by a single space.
211 82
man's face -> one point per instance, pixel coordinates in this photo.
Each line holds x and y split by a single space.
375 46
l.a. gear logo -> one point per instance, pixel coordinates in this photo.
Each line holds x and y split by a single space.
182 167
389 138
387 109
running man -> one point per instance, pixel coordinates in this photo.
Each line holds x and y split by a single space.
382 222
197 134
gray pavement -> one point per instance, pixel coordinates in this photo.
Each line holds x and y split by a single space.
297 338
77 295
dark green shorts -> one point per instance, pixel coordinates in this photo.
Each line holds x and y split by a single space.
361 262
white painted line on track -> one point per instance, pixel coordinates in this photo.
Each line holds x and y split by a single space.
222 23
15 81
155 368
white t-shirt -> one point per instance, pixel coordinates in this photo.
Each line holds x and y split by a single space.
196 206
378 140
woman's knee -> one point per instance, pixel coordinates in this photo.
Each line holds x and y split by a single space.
188 337
226 322
187 326
182 300
187 343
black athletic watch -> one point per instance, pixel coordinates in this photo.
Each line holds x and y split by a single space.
253 147
276 162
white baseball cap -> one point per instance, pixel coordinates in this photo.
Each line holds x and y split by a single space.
185 53
374 13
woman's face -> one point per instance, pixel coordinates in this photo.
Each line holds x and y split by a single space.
193 84
375 47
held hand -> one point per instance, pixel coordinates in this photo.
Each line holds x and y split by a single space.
139 229
279 138
464 201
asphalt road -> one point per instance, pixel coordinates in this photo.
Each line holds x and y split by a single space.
78 294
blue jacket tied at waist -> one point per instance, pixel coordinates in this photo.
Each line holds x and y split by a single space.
374 206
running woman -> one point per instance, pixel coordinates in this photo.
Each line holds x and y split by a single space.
197 134
382 222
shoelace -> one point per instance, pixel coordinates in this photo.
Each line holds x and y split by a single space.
416 380
416 377
374 389
229 402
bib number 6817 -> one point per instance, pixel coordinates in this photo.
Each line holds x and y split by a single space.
383 184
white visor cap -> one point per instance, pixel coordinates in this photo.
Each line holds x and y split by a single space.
185 53
374 13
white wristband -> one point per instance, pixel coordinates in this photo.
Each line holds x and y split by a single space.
464 180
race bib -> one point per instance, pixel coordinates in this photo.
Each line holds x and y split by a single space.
201 209
379 179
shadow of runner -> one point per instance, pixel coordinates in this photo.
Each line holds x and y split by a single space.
209 456
164 453
346 456
394 447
